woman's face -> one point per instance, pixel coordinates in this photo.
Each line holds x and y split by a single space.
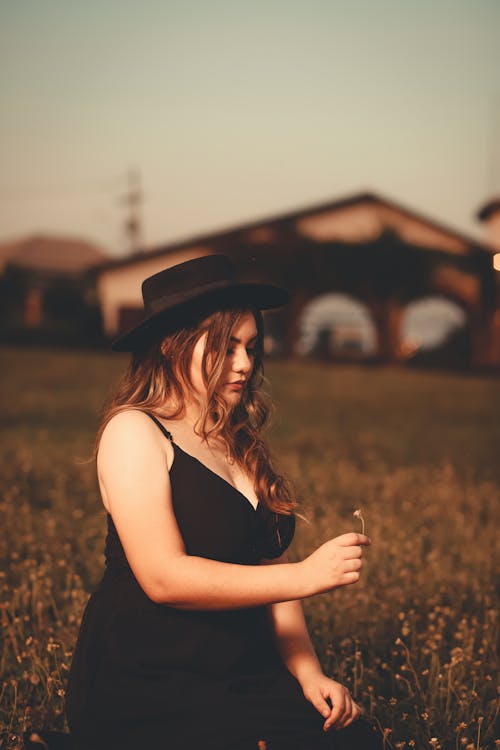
238 364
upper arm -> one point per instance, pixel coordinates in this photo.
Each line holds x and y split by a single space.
132 467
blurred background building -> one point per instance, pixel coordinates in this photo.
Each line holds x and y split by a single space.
363 271
46 295
371 281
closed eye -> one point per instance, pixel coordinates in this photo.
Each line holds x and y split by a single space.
250 352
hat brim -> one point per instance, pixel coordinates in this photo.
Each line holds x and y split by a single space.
175 316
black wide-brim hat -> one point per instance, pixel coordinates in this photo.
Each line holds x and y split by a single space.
188 291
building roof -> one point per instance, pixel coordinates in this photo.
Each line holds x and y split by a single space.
287 219
51 253
490 208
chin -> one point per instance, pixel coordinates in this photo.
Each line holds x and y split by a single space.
231 398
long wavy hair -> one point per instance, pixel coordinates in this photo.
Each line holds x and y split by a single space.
158 380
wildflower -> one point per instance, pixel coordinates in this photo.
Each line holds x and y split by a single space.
358 514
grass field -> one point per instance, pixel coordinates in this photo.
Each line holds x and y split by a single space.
418 452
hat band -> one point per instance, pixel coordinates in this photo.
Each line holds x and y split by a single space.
172 300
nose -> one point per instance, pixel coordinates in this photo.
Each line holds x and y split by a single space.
242 362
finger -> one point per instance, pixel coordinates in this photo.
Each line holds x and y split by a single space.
320 704
350 577
345 719
352 538
352 552
350 565
338 709
355 713
347 712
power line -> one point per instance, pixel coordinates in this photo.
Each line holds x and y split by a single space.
132 199
64 190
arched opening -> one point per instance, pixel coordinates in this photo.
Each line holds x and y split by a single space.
435 331
335 326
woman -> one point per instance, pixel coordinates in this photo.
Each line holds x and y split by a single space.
196 637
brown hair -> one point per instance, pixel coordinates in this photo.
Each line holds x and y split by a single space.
158 378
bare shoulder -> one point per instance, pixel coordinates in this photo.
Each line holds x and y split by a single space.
131 436
127 422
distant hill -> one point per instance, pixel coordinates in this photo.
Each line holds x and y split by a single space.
65 255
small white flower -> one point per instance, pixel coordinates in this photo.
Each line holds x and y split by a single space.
358 514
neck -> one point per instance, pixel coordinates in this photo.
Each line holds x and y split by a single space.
192 413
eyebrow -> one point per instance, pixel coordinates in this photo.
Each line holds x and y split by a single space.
238 341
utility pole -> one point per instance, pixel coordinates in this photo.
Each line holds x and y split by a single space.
133 201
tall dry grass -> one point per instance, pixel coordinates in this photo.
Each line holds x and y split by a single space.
415 640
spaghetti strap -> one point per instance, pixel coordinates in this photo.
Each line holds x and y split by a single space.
162 428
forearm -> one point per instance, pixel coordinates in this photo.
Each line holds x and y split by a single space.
292 639
200 583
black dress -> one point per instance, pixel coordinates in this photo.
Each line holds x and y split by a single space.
147 675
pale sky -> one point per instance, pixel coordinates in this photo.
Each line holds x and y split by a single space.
233 110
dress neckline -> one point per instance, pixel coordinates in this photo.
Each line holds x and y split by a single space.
175 445
253 508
